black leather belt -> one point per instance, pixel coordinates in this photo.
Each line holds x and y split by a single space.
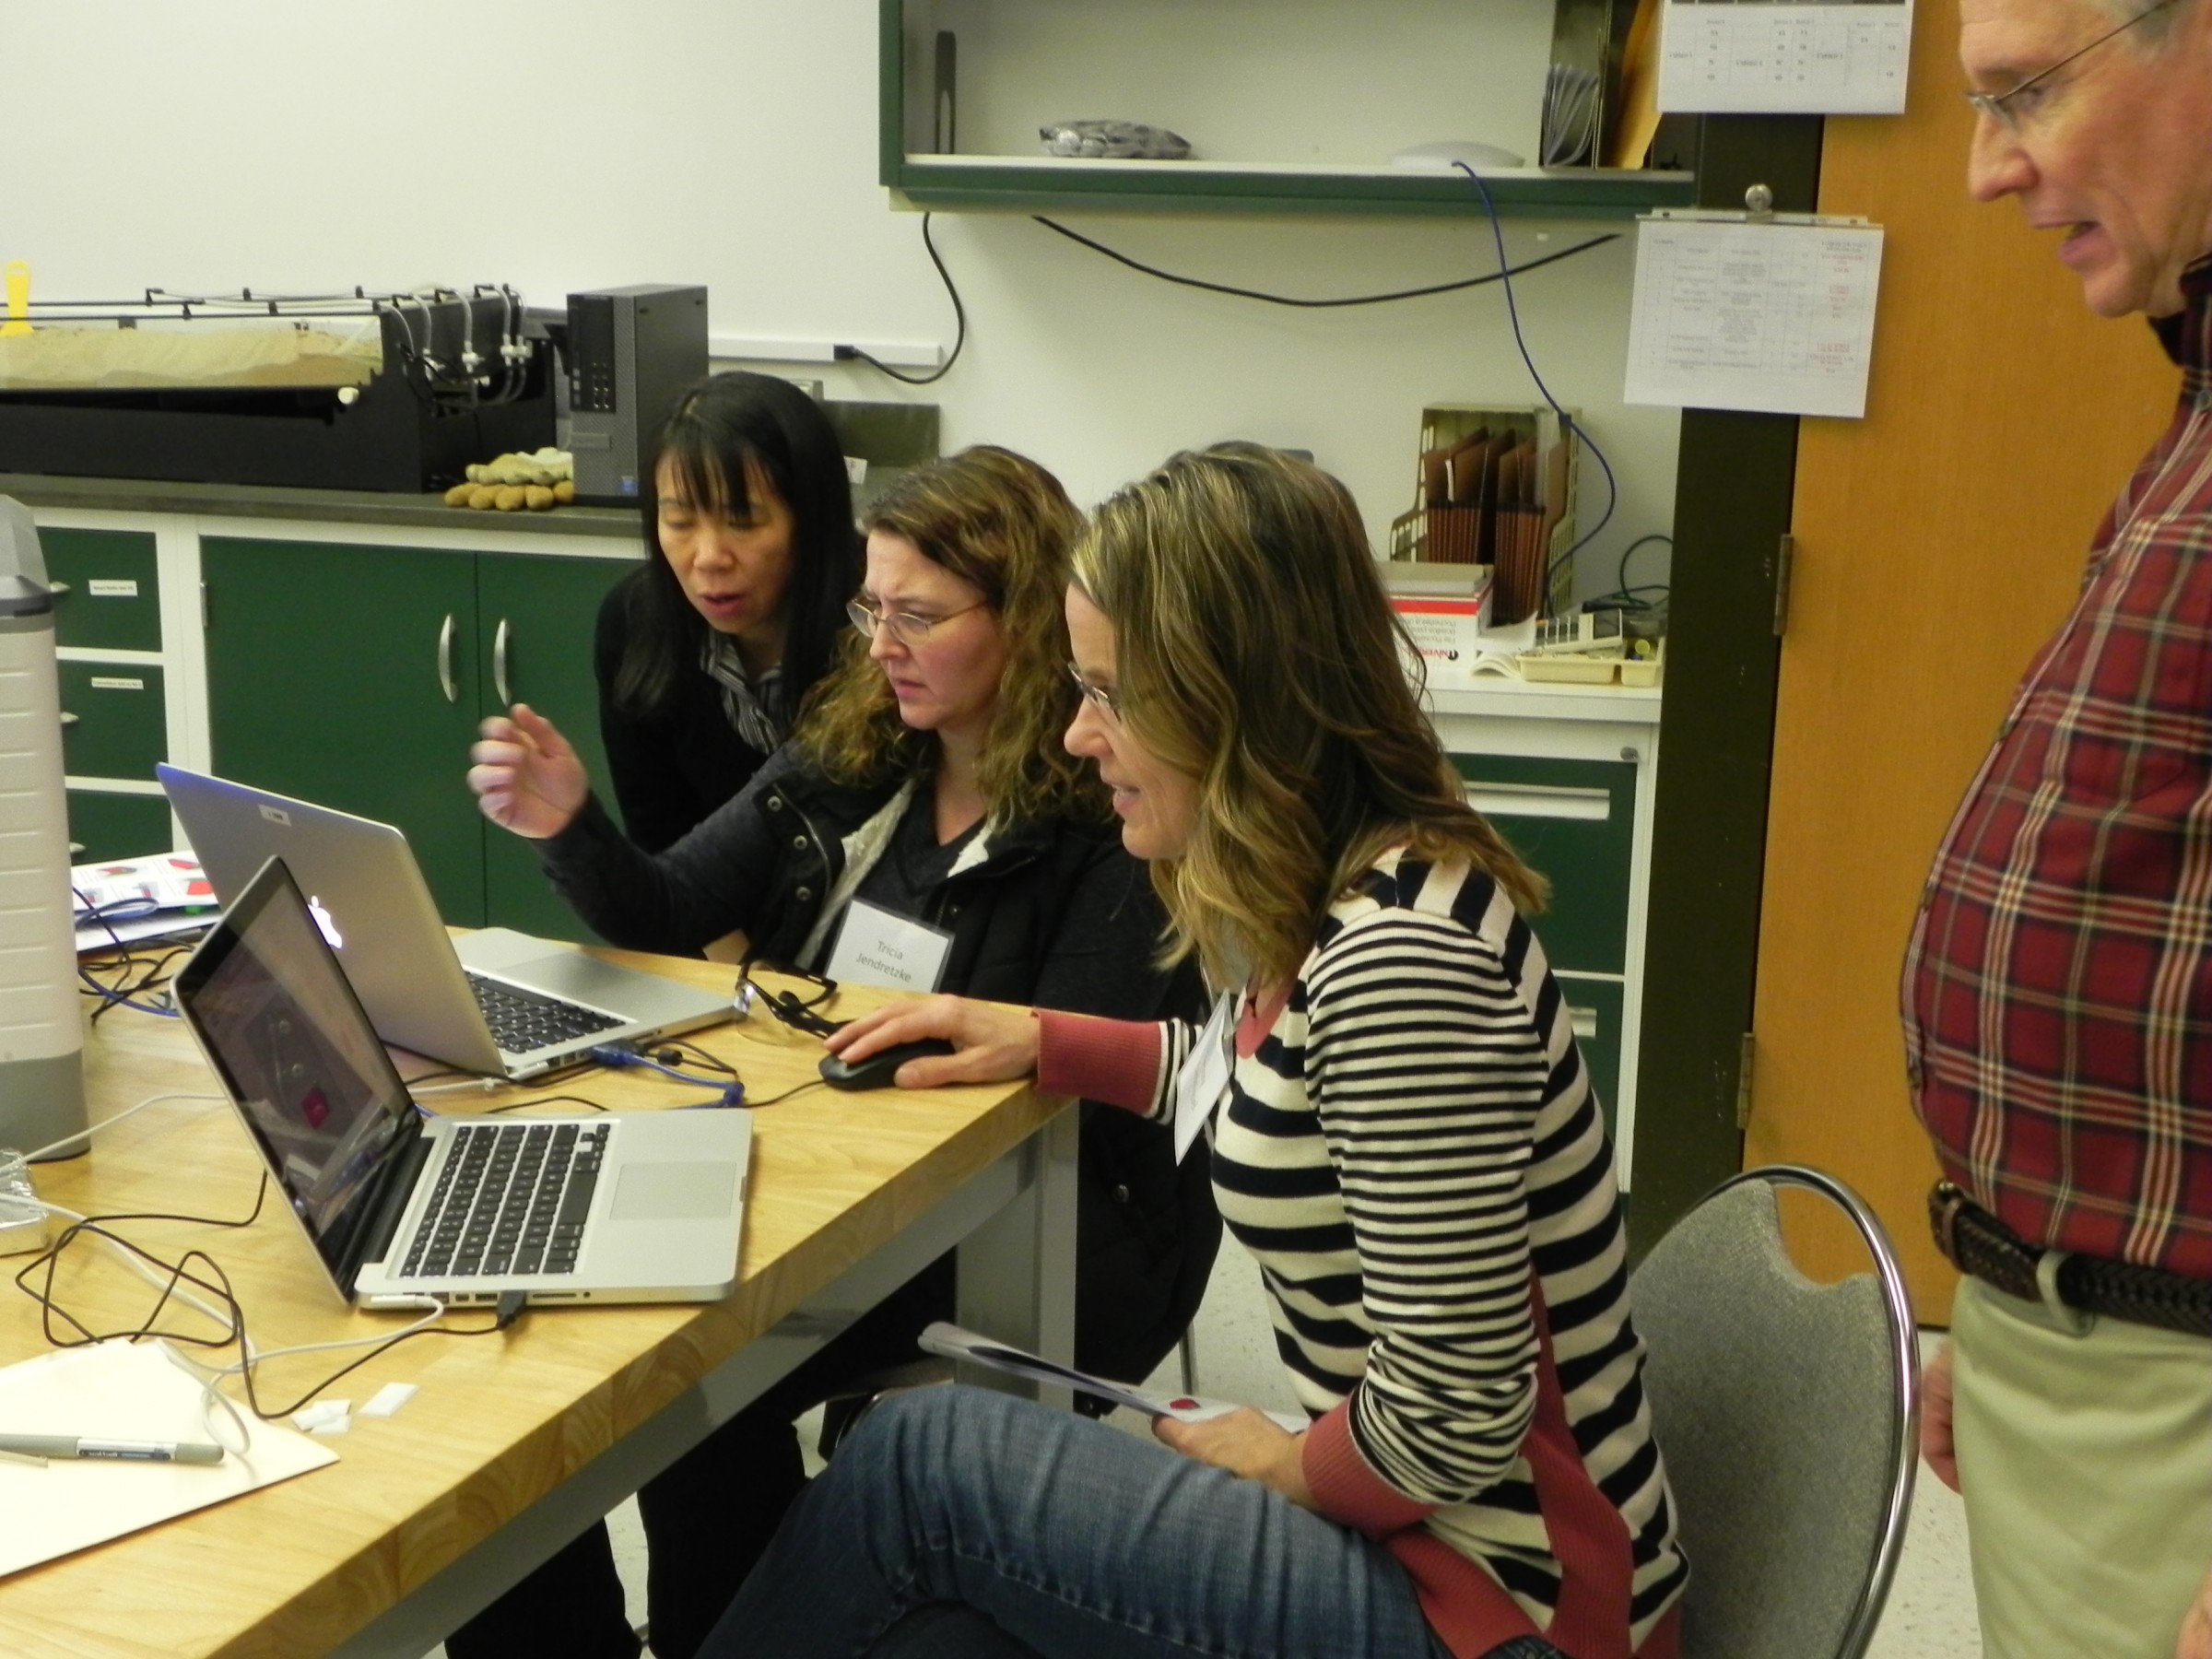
1976 1243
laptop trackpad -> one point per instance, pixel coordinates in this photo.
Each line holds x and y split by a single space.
675 1192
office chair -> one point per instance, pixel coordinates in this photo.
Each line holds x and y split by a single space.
1788 1415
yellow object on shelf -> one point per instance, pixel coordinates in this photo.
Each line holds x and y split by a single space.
18 300
537 482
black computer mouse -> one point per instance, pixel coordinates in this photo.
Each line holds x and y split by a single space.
880 1069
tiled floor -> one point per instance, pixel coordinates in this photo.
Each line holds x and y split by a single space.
1930 1613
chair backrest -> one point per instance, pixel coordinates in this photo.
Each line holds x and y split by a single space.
1788 1416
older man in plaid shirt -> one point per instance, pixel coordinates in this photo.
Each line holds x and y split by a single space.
2058 990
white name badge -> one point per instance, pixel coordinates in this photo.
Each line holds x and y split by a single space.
1205 1073
892 952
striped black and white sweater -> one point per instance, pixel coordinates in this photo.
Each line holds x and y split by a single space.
1411 1149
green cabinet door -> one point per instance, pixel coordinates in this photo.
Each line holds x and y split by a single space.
1574 822
535 619
104 826
1595 1005
347 676
108 597
113 723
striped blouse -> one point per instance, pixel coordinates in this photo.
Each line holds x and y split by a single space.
1412 1152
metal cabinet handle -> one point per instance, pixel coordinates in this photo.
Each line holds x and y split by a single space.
499 663
68 719
445 662
54 590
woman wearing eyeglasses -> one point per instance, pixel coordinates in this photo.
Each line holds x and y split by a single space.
926 785
1404 1136
704 653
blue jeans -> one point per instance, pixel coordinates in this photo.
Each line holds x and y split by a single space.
1008 1530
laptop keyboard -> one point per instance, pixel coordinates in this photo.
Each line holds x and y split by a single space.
523 1022
511 1199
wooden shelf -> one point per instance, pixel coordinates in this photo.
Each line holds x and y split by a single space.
1043 183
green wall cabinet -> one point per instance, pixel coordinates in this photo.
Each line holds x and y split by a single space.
106 826
355 676
108 595
535 619
114 721
107 624
1565 775
1572 821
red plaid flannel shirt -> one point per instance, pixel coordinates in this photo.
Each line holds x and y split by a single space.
2058 989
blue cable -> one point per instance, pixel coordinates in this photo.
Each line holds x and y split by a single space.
1566 421
731 1090
113 995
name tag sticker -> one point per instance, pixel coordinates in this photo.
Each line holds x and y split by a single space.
1205 1075
891 952
110 587
104 682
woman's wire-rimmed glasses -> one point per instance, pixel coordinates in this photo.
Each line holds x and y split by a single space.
1998 106
905 627
1097 696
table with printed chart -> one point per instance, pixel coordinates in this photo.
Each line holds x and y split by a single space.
1784 57
511 1442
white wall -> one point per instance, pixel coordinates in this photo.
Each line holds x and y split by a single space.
312 145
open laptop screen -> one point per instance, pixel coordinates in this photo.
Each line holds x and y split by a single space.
284 1032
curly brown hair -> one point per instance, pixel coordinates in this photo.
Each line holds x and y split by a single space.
1256 652
1001 521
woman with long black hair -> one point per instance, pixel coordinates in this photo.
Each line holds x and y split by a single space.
705 652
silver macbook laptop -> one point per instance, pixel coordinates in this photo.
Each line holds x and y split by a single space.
620 1207
494 1001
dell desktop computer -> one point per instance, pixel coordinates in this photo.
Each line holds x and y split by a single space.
631 353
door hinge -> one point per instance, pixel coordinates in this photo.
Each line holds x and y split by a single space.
1785 556
1743 1082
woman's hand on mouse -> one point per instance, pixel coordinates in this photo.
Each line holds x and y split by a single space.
993 1040
526 777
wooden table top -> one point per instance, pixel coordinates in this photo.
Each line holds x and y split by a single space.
294 1568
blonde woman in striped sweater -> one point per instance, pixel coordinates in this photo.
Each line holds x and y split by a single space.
1403 1136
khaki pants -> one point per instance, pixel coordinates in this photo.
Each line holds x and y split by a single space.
2086 1461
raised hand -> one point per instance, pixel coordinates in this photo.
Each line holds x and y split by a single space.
526 777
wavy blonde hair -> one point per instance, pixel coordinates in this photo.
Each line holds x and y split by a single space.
998 521
1256 652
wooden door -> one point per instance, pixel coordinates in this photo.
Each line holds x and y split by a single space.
1939 541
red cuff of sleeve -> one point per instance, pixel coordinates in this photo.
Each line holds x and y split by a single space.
1116 1061
1346 1486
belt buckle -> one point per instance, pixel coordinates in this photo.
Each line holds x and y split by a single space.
1948 1201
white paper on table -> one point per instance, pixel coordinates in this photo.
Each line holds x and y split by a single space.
121 1391
953 1343
1768 57
1776 316
127 900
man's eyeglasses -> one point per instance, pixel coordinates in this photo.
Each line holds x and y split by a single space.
786 1006
2001 107
1097 696
904 626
